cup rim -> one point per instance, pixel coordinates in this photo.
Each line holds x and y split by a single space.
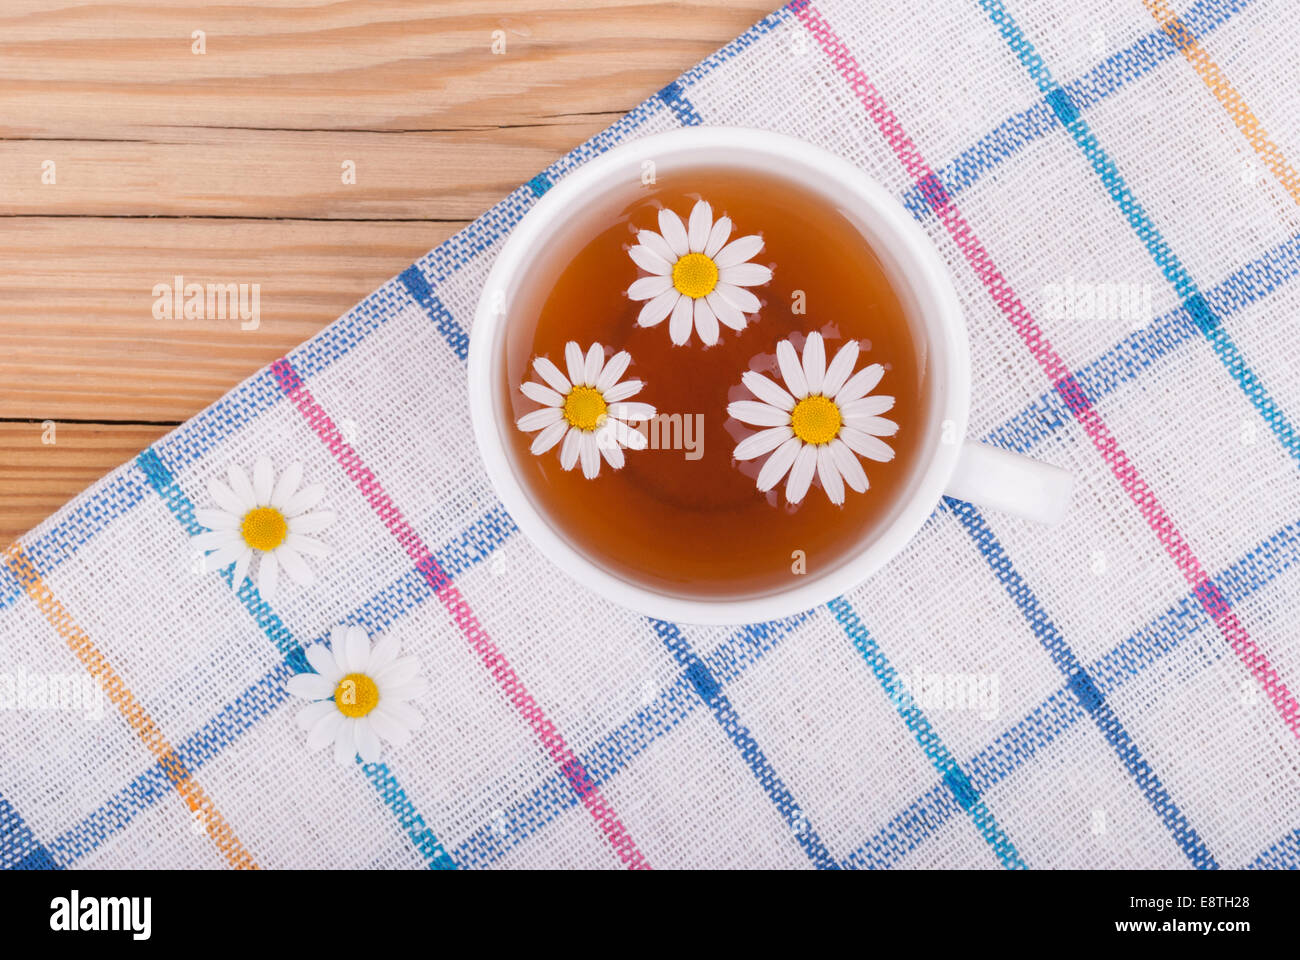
922 268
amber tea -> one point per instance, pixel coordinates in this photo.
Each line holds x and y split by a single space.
755 407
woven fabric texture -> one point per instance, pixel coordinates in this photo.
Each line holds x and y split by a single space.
1117 691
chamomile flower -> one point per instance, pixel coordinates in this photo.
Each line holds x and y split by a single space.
819 422
359 695
588 410
272 521
695 275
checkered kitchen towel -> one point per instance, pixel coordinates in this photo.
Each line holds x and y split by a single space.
1118 691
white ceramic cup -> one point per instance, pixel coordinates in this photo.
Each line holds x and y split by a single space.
949 464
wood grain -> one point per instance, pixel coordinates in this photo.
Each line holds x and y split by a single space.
89 347
38 476
226 166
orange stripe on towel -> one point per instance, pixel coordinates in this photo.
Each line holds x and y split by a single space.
97 666
1226 94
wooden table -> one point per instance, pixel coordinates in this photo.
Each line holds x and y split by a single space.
139 142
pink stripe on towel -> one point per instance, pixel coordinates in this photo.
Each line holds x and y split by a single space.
495 662
1054 366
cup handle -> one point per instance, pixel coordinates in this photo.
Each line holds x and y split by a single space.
1000 480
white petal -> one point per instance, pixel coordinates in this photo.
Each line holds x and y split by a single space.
589 454
217 519
814 362
791 369
741 299
405 691
367 742
876 426
738 251
304 500
621 391
758 414
549 437
310 715
607 441
326 729
718 236
216 539
356 650
647 288
860 384
745 274
543 395
632 439
338 637
383 653
309 686
765 441
840 368
402 713
263 481
657 245
539 419
674 234
242 564
569 452
294 565
870 447
850 468
551 374
679 327
388 728
801 474
345 742
239 483
829 474
648 260
727 314
606 434
779 463
287 485
268 576
225 555
867 406
323 661
313 522
697 233
767 390
575 363
613 370
397 672
595 363
706 324
631 411
658 308
225 498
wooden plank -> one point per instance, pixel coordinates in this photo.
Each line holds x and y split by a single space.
259 173
79 339
123 69
226 166
38 477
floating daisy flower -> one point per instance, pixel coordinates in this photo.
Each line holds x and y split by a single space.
359 695
695 275
266 519
817 422
588 410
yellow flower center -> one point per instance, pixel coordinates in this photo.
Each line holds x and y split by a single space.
356 695
584 408
816 420
695 275
264 528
